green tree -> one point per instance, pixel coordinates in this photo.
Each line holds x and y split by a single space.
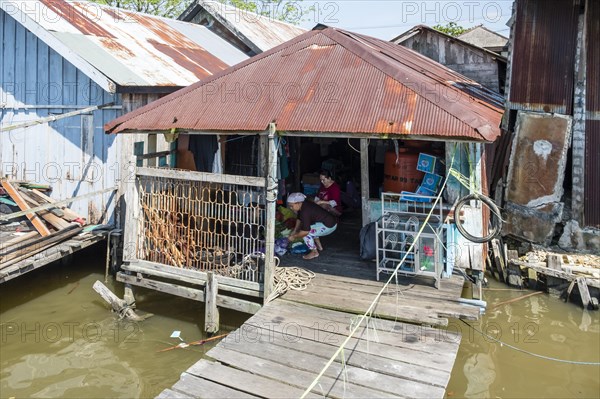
163 8
451 28
284 10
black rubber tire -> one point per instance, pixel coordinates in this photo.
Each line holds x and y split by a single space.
496 221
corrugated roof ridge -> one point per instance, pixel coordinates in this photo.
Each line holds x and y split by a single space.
264 18
355 37
111 126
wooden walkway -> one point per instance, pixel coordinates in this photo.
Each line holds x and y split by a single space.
280 350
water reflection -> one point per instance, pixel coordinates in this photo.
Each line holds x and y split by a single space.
539 324
59 339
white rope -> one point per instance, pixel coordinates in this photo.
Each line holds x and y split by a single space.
290 278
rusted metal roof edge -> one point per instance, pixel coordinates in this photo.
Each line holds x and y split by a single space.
451 107
288 133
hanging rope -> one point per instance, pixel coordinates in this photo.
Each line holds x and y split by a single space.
496 221
554 359
367 314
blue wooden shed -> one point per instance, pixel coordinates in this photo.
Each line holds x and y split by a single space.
67 68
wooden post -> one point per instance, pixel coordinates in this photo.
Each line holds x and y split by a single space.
514 271
211 314
364 180
584 292
132 212
128 296
271 188
555 285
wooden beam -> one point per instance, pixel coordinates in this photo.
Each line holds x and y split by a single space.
364 180
201 176
223 301
55 204
39 225
271 195
211 313
53 118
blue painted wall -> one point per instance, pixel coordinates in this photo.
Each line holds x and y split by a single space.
72 154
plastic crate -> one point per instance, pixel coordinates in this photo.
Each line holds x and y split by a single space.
310 189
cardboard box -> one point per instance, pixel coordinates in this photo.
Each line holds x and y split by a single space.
431 181
430 164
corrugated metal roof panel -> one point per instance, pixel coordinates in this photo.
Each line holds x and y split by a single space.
592 163
258 32
592 102
330 81
157 51
544 46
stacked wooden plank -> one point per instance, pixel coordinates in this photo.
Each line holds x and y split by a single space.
52 224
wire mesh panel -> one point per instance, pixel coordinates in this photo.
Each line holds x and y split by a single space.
202 225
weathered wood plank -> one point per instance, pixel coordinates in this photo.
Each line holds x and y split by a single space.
201 176
294 350
584 292
211 313
190 293
33 218
243 381
202 388
194 274
359 305
290 373
171 394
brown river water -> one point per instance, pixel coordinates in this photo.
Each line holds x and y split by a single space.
58 339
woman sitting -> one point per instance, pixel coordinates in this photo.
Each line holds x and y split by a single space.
313 222
330 194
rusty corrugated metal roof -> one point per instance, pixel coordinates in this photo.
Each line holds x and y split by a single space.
131 48
330 81
258 32
544 44
592 123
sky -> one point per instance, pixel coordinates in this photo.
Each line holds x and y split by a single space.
386 19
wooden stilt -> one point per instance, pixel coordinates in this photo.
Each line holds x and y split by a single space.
364 180
211 315
128 296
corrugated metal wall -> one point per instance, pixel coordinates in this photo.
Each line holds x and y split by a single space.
73 154
543 53
592 124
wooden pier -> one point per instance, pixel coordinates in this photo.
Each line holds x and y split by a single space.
280 350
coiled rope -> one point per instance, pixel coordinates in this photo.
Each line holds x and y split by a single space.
290 278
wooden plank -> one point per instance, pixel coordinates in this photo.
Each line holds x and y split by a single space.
39 225
201 388
19 239
211 313
292 374
355 305
541 268
190 293
55 221
201 176
243 381
392 297
364 180
430 345
196 274
166 273
271 197
584 292
69 214
171 394
308 355
499 259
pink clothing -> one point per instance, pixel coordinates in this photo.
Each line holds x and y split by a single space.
332 193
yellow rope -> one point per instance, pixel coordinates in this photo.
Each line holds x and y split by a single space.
372 306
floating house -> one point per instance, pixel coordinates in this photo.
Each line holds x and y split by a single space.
326 87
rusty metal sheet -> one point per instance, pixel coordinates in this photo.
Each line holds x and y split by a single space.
121 43
592 167
592 101
536 175
544 44
258 32
330 81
